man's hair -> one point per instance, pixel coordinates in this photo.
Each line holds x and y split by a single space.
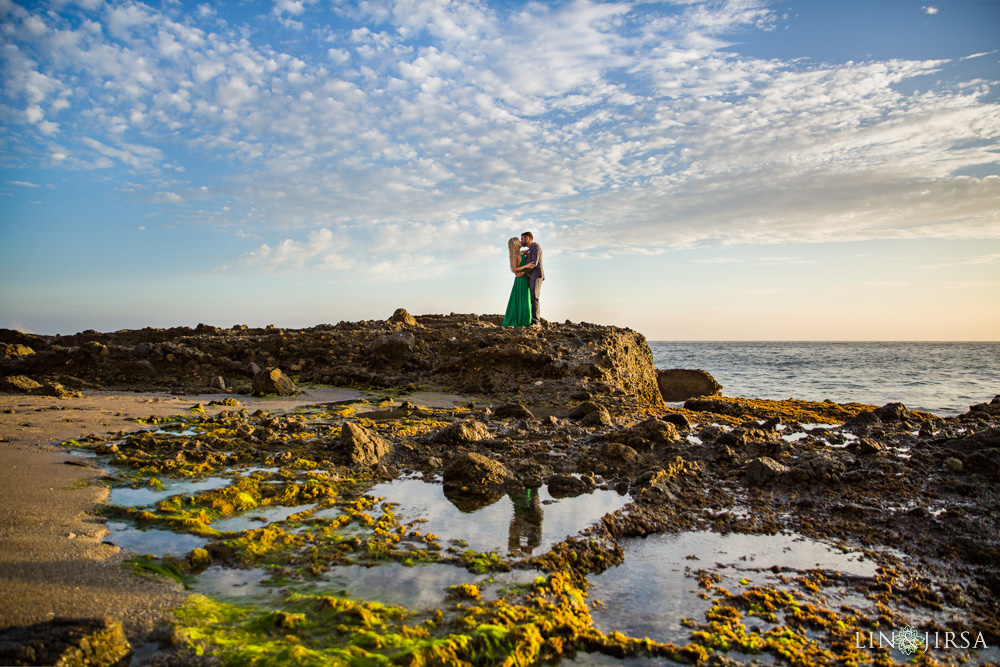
529 235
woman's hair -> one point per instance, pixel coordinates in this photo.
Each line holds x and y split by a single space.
514 246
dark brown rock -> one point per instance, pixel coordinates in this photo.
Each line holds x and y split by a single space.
465 431
403 317
475 470
764 470
19 384
67 642
680 384
656 430
619 453
272 381
359 446
513 411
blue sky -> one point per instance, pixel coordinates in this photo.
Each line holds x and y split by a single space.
745 170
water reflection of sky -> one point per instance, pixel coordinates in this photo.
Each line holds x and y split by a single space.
528 521
147 495
258 518
153 541
422 586
648 594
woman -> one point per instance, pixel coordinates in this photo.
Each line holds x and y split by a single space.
519 305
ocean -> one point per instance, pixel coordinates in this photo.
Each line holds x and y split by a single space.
941 378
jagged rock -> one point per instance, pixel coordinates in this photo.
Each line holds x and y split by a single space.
16 350
218 382
513 411
865 446
656 430
475 470
19 384
403 317
762 470
272 381
892 412
469 430
680 384
66 642
359 446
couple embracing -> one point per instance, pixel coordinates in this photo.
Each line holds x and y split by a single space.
526 265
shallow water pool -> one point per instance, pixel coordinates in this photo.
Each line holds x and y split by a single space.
652 590
521 523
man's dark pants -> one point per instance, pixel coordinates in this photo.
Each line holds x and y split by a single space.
535 289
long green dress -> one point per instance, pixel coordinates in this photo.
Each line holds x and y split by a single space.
519 305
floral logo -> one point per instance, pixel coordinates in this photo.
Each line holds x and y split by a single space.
909 641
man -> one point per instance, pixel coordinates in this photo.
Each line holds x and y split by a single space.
535 276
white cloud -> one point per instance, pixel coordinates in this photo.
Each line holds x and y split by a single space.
930 10
590 117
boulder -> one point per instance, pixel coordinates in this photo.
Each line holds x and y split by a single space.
656 430
403 317
464 431
865 446
16 350
599 417
892 412
475 470
568 486
584 409
513 411
142 350
359 446
272 381
619 453
395 347
763 470
97 642
680 384
678 420
19 384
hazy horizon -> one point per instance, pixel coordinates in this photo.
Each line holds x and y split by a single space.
694 170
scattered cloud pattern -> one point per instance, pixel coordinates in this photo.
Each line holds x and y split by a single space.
376 129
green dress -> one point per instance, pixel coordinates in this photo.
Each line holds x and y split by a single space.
519 305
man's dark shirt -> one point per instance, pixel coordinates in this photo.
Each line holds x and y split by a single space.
535 256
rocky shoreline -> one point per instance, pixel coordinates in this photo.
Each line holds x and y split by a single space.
572 408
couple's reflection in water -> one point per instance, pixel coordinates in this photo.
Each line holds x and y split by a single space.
525 532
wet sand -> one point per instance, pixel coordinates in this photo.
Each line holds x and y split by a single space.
53 562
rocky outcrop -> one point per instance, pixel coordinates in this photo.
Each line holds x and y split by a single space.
680 384
66 642
360 447
465 353
272 381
